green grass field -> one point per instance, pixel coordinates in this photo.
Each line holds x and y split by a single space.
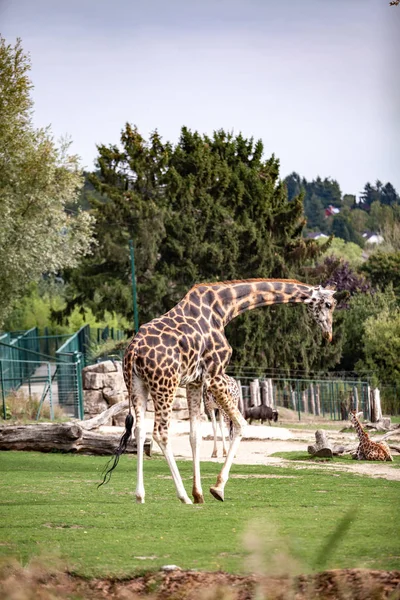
50 506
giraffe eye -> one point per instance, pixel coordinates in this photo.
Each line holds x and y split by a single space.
328 305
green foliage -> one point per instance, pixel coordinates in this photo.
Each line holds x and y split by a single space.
385 194
381 346
348 251
383 270
45 307
37 181
206 209
362 308
51 503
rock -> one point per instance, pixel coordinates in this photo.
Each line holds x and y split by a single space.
114 396
170 568
107 366
94 402
114 380
92 380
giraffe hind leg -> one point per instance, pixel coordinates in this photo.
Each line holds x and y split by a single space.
139 401
214 427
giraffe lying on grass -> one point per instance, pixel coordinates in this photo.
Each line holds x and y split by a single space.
187 346
367 449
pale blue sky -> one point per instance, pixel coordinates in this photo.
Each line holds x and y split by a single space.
316 80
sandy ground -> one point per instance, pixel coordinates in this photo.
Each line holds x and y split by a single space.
260 441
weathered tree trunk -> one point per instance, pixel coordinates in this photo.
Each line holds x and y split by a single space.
376 409
355 399
312 399
68 437
255 393
305 401
317 400
322 446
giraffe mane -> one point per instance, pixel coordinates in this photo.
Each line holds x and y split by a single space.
255 280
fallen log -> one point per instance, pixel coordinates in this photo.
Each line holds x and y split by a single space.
73 436
322 446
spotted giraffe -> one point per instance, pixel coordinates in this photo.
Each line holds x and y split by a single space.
367 449
212 407
187 346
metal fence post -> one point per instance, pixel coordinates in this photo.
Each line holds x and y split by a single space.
78 370
3 395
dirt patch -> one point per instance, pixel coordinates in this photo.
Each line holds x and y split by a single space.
379 470
355 584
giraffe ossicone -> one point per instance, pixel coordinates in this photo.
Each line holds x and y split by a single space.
187 346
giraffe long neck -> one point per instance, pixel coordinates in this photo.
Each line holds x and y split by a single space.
362 435
234 298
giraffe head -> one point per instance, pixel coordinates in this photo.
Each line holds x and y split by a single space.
321 305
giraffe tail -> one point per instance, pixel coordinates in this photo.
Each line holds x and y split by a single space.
122 446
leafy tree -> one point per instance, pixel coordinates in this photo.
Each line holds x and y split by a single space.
205 209
359 220
385 194
381 346
342 228
362 307
128 203
327 190
349 200
347 251
294 185
37 181
315 213
383 270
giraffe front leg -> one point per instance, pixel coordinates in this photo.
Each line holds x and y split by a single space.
194 397
160 435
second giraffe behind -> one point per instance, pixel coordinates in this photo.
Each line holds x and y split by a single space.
187 347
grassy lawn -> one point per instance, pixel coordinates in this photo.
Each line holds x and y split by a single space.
50 506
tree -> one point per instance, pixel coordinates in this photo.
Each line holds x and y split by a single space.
128 203
342 228
381 346
385 194
346 251
327 190
37 181
294 185
383 270
315 213
208 208
362 306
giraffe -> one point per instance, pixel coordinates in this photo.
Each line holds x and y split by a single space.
367 449
187 346
212 406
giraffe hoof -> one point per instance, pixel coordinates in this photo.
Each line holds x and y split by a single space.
214 455
186 500
198 499
139 500
218 494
